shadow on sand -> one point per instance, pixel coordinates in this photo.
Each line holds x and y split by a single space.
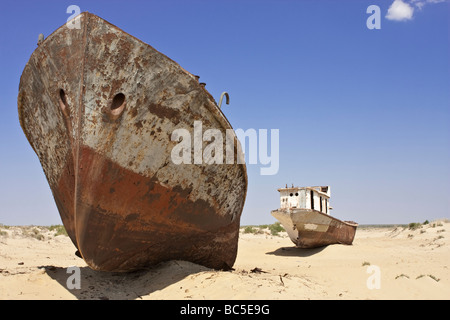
296 252
97 285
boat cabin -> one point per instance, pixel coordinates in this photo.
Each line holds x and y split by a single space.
316 198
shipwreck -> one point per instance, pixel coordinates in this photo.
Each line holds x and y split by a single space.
305 214
98 107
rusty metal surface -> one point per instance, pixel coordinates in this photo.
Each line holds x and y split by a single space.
98 107
308 228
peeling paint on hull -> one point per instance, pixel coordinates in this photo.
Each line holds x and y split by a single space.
308 228
98 107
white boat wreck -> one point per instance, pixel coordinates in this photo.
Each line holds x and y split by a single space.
305 214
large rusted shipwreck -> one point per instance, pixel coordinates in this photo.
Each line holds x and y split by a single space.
305 214
98 106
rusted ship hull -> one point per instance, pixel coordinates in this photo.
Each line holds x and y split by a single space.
98 107
308 228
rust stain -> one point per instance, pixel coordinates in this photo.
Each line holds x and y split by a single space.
143 209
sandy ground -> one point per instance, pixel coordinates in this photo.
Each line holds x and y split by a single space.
382 263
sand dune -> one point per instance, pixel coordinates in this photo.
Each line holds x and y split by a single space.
382 263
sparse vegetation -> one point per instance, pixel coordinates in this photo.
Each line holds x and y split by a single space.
437 224
383 226
251 229
417 225
36 232
59 230
274 229
3 233
33 232
402 276
365 263
414 226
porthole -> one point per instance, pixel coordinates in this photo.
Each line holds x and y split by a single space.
118 104
63 102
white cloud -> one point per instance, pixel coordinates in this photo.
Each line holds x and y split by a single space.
400 11
420 3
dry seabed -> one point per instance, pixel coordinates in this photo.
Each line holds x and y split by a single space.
382 263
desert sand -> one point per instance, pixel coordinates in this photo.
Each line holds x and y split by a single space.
382 263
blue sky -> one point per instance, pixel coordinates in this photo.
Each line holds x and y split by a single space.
364 111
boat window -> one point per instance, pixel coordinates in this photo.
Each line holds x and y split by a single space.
296 194
63 102
118 104
320 204
312 199
291 194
